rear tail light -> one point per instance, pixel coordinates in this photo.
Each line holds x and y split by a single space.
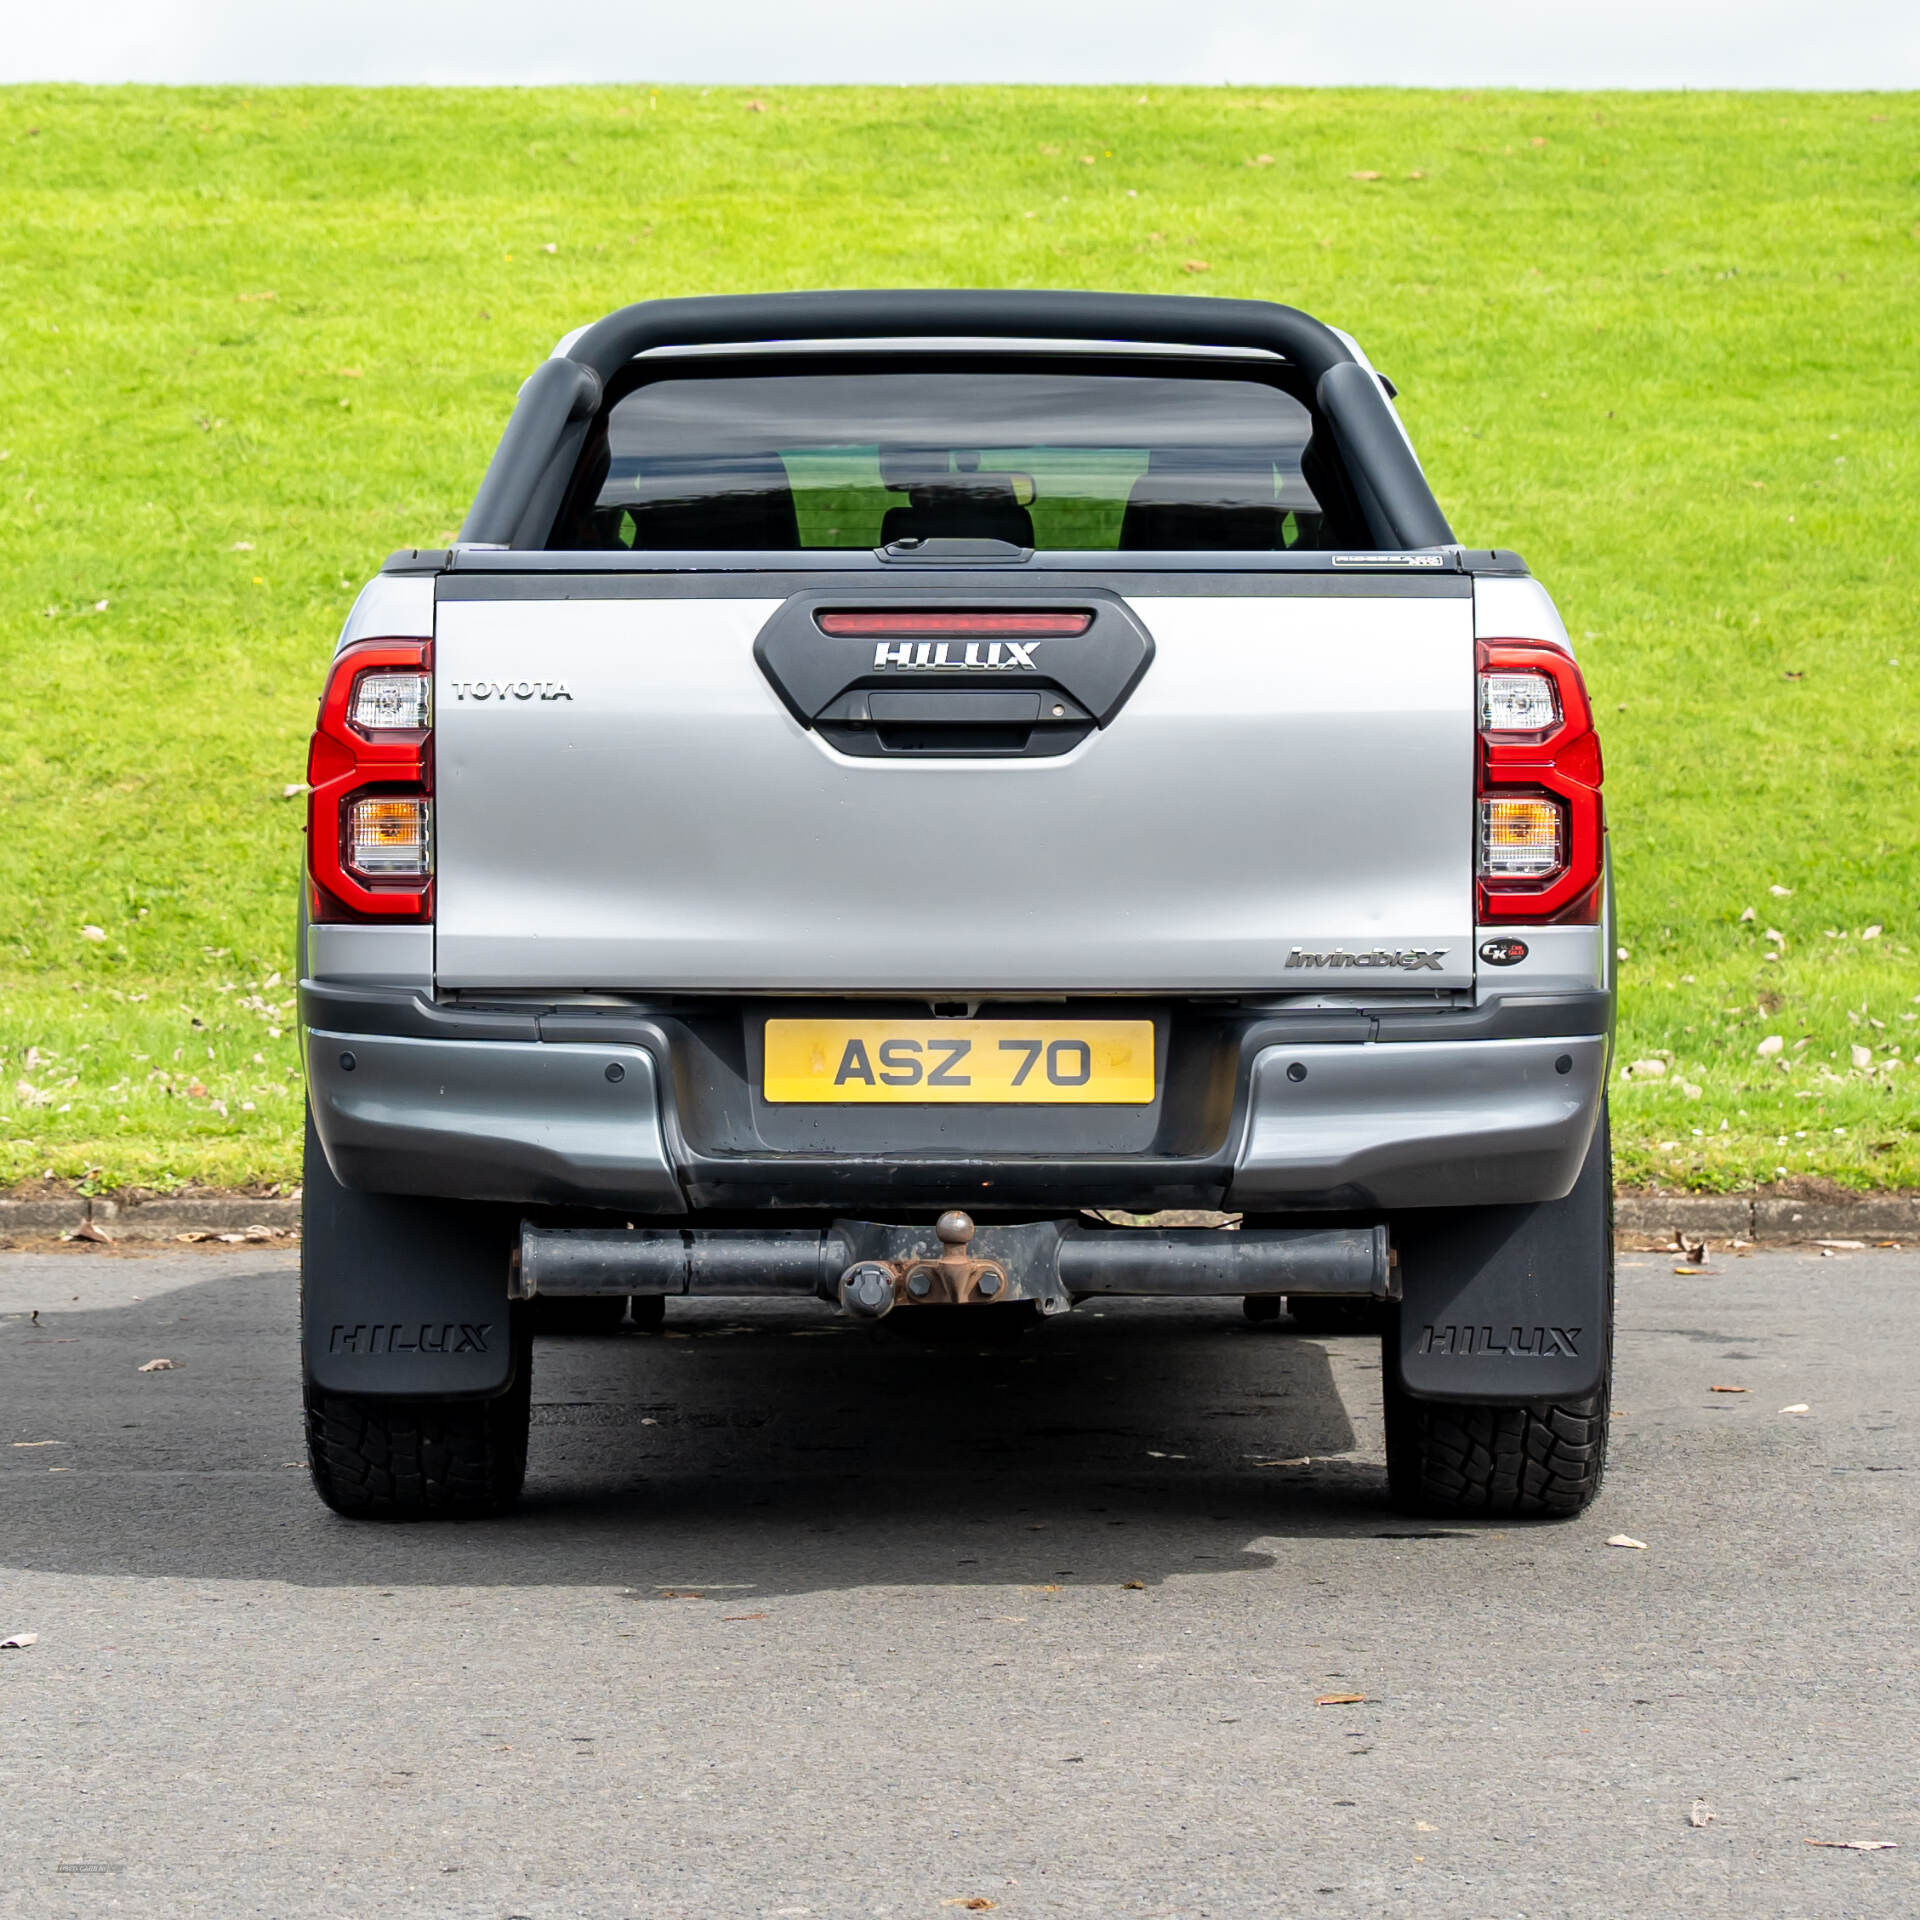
1542 824
370 768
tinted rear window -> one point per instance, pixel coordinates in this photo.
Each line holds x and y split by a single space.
1040 458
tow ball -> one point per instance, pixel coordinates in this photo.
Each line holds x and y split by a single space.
871 1289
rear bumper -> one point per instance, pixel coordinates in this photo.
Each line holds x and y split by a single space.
1293 1113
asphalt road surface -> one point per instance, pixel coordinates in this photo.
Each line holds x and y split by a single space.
803 1618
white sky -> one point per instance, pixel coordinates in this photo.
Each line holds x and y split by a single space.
1545 43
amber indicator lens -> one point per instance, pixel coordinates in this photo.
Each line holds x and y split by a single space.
390 838
1521 839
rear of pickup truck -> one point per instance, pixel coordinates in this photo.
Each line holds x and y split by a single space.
893 790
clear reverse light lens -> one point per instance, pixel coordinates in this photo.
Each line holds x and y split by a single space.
1521 840
390 839
392 702
1517 703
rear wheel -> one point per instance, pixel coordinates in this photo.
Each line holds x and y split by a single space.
410 1294
377 1458
1546 1458
1460 1459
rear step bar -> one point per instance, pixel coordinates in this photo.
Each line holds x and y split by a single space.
870 1269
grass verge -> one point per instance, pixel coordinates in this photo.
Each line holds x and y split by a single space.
252 340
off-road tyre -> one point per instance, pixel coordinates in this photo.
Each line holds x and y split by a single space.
591 1314
426 1459
1458 1459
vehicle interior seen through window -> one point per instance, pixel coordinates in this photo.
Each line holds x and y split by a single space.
1067 453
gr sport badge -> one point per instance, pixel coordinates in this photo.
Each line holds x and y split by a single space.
1503 953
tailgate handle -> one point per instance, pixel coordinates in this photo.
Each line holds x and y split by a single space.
954 720
956 708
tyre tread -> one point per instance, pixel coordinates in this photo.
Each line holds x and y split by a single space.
379 1459
1444 1458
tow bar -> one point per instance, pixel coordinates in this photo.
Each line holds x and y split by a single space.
869 1269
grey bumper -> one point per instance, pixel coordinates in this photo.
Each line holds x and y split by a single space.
492 1120
1344 1126
1432 1123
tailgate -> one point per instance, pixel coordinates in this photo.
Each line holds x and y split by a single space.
624 801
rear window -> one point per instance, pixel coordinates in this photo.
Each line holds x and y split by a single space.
1101 460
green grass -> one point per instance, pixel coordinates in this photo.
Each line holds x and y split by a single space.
1664 345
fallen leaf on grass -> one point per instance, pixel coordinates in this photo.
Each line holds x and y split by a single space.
1365 173
1700 1814
1729 1389
728 1618
1196 266
19 1640
1626 1540
1341 1700
1799 1406
1847 1846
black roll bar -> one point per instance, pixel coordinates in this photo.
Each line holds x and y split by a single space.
530 469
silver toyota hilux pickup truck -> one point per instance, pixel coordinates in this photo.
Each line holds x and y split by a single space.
890 794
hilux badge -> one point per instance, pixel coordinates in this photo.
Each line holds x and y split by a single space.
933 656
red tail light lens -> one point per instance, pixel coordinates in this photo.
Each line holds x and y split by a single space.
941 626
370 768
1541 821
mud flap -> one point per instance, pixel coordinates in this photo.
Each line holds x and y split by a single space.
401 1296
1509 1305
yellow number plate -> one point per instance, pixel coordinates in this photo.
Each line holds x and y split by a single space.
1037 1062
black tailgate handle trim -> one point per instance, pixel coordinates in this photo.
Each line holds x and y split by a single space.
828 681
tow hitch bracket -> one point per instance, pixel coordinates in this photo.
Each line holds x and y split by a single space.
869 1268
